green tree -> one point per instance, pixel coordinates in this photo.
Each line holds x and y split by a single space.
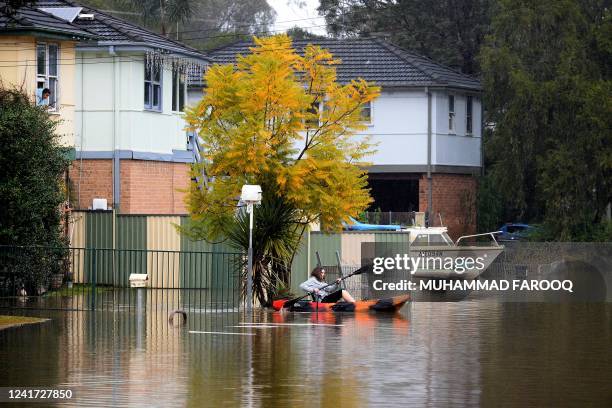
164 13
450 31
203 24
547 92
299 33
31 166
218 22
280 120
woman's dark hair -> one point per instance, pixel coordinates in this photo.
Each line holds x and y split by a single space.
46 91
318 273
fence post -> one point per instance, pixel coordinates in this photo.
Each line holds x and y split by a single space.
93 279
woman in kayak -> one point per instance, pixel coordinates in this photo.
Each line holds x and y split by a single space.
317 286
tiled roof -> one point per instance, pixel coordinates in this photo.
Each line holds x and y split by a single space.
111 30
373 60
30 18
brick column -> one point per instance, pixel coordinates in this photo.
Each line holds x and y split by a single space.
454 197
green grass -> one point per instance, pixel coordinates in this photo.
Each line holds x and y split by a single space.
77 289
10 321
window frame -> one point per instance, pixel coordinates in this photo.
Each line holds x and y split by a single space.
178 105
452 126
151 83
318 106
469 115
370 119
46 77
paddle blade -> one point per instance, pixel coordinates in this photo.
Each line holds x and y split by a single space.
363 269
278 304
290 303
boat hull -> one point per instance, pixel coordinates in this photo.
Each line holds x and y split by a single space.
389 305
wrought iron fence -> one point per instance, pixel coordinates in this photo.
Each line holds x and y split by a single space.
98 279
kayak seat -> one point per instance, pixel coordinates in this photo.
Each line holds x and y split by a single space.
302 306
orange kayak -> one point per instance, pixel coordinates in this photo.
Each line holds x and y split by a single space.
392 304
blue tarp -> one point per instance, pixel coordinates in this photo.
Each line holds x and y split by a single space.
359 226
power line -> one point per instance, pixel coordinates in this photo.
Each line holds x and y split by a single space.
223 35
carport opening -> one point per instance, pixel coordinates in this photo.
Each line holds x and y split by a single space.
394 192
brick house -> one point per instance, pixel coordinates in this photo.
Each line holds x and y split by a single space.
427 123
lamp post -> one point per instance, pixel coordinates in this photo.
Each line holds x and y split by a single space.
251 194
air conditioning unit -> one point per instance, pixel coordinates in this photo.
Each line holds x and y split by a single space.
99 204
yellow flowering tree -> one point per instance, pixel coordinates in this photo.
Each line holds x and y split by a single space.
281 120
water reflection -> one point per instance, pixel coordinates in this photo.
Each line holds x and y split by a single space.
472 353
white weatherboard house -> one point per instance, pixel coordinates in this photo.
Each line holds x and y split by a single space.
131 146
427 123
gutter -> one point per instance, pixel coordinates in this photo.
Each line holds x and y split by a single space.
116 170
429 143
482 135
132 46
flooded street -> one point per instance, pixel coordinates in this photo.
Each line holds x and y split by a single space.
472 353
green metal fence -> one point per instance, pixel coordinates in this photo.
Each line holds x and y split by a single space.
98 279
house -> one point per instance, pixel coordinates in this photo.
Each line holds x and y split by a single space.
121 89
129 134
37 51
427 123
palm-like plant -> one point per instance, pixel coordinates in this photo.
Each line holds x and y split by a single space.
164 12
276 235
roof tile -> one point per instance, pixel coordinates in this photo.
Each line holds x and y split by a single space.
373 60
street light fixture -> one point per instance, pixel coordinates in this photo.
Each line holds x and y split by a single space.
251 194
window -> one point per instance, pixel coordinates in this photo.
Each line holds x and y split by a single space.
433 240
152 86
451 113
366 112
421 239
468 116
178 89
47 70
314 115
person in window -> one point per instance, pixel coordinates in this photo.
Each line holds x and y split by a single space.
316 285
44 97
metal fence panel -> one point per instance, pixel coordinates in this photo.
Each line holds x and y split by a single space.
99 234
326 245
163 266
299 267
215 286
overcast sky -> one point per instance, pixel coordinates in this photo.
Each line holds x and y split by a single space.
287 12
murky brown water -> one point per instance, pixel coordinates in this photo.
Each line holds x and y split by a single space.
474 353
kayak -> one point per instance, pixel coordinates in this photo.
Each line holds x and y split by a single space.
392 304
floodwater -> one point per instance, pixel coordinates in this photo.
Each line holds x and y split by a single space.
469 353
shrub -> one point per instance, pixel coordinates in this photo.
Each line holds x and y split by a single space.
32 162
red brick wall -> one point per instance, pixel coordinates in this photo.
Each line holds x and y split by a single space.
93 180
147 187
454 197
150 187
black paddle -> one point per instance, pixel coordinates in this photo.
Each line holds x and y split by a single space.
359 271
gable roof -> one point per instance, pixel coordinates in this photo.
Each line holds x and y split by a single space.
30 19
110 30
372 59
